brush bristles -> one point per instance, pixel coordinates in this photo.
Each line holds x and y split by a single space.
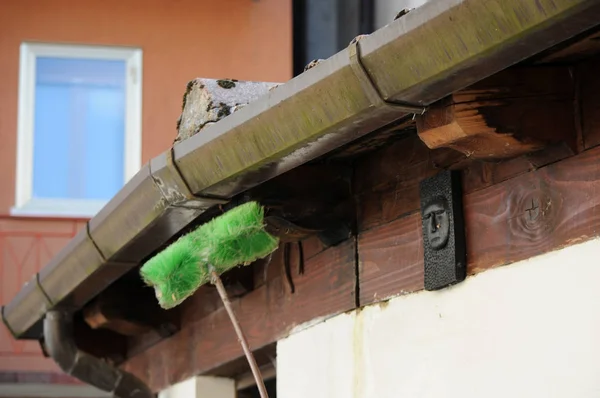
234 238
237 237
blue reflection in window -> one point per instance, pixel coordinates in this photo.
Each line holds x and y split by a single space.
79 128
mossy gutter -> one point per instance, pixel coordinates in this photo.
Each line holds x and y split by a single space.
420 58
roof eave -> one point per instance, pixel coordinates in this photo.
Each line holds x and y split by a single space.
424 56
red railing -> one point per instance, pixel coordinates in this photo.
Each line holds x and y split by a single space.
25 247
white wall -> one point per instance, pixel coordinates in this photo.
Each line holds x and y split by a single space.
201 387
531 329
326 346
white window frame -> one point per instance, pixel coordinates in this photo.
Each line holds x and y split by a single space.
25 204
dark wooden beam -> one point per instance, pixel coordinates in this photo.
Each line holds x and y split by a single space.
512 220
589 101
514 208
525 216
207 339
515 112
99 315
580 47
386 181
129 308
390 248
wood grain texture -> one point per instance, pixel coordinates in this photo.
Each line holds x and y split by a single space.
515 112
387 181
514 209
528 101
519 82
391 260
534 213
208 340
576 49
468 128
499 129
528 215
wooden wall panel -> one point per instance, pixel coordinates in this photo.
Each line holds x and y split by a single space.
387 182
266 314
514 209
534 213
391 260
526 216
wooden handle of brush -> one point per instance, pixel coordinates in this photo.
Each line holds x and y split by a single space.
260 384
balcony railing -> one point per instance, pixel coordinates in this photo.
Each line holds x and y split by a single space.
26 245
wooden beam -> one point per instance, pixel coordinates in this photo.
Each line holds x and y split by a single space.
387 181
390 251
589 102
129 308
385 186
515 112
100 316
207 339
327 286
528 215
580 47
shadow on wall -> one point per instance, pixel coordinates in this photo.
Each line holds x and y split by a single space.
252 392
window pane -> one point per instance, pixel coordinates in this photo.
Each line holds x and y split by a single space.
79 130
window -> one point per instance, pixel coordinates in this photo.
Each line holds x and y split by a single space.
79 127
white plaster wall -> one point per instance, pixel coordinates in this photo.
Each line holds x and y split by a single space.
201 387
531 329
330 345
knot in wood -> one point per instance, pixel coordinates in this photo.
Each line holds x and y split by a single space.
536 213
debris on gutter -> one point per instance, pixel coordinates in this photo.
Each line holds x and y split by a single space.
393 73
206 101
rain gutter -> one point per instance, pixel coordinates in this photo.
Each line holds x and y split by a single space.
420 58
60 345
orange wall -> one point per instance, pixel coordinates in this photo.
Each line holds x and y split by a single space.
25 247
180 39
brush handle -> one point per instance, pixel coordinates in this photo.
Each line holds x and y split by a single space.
216 280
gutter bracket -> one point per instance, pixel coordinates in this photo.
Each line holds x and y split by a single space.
12 332
39 286
204 202
43 303
444 246
370 89
93 242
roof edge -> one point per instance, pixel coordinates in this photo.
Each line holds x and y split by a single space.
320 110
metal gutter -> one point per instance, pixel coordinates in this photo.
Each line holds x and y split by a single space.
422 57
59 342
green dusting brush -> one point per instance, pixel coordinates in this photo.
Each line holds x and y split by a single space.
237 237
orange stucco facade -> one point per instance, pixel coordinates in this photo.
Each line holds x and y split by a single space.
180 39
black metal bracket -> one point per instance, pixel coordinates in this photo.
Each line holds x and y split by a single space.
444 245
